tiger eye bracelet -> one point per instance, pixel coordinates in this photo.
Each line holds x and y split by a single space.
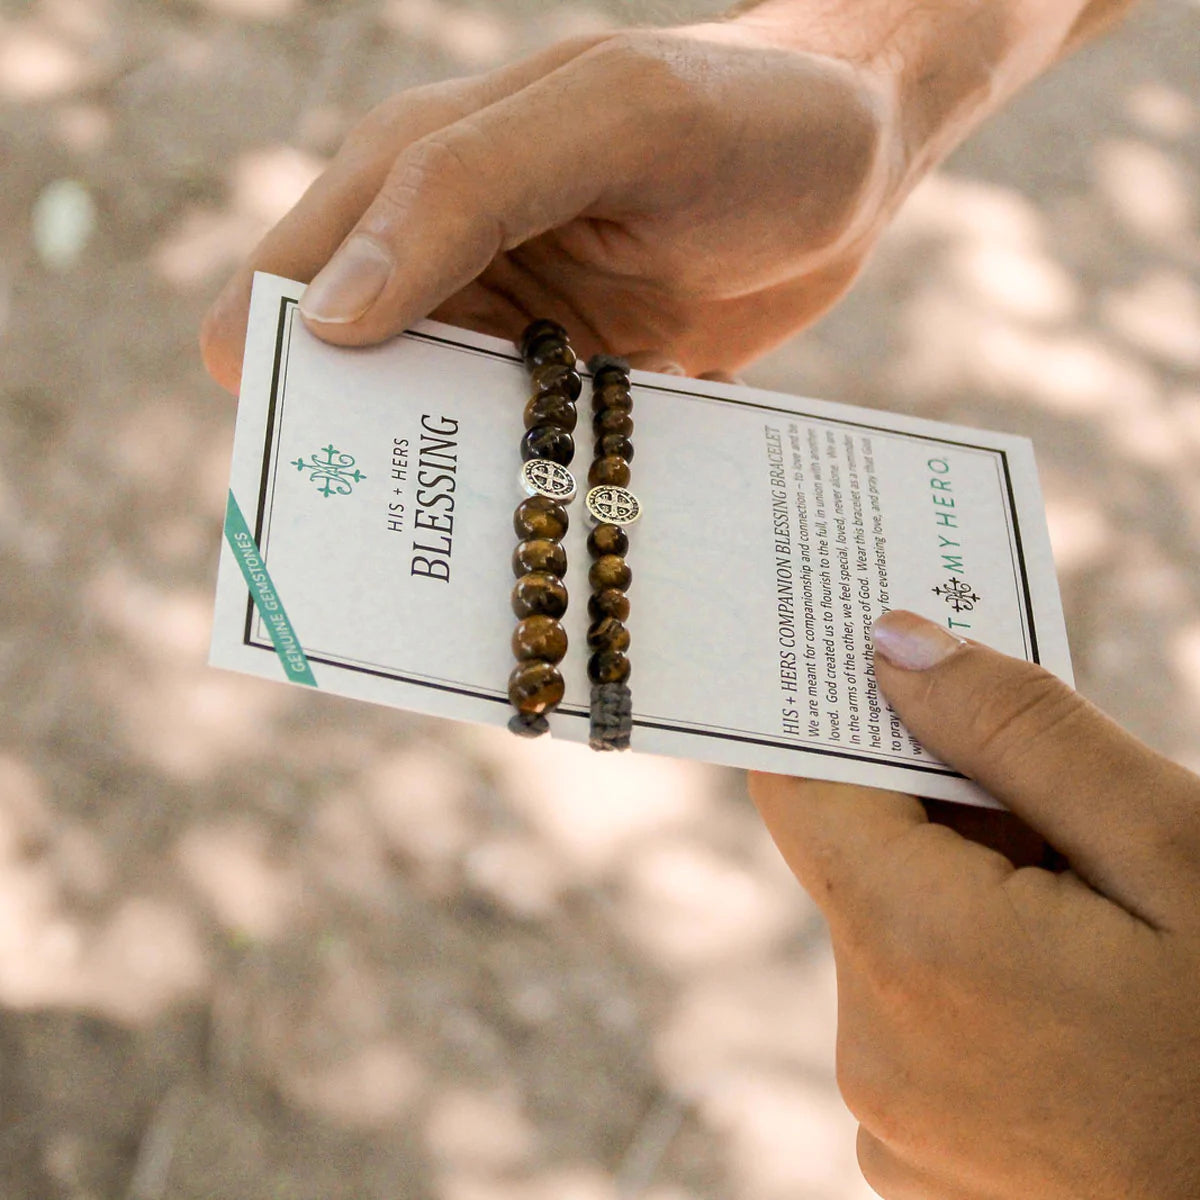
611 506
539 597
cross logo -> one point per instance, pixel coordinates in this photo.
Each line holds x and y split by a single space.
333 472
958 595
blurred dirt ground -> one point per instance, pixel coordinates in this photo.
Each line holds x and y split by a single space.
255 943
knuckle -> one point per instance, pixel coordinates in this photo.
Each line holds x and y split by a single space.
874 1099
858 1086
1027 706
379 127
877 1164
435 165
653 68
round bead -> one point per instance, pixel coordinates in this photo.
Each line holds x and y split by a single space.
536 330
615 443
609 471
540 517
539 594
540 554
608 666
548 441
535 687
608 539
612 420
607 634
610 571
608 603
551 408
549 350
609 373
542 638
557 377
613 395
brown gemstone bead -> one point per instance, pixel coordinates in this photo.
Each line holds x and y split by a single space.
536 330
607 634
611 420
535 687
541 637
610 470
541 554
608 539
608 603
539 594
540 517
613 395
609 374
557 377
608 666
614 443
551 408
610 571
548 441
549 350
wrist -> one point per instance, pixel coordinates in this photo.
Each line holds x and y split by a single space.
943 67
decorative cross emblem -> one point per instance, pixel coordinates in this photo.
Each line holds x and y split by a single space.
333 471
541 477
614 505
958 595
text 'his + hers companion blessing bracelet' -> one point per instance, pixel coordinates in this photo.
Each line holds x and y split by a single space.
539 597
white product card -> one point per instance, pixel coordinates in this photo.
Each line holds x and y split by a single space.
369 541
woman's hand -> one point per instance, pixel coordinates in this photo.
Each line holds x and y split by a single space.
701 192
1011 1033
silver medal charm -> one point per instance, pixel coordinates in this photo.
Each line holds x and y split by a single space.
613 505
541 477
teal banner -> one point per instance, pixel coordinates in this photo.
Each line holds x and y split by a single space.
265 597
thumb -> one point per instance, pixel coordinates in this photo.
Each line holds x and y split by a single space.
460 196
1125 816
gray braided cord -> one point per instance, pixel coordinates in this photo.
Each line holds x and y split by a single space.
612 716
528 725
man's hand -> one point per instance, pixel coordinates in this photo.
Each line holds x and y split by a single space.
699 192
1002 1032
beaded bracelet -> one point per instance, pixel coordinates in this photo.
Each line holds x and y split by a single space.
610 505
539 597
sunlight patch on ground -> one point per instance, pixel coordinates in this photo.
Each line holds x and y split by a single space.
207 242
687 906
473 36
251 889
475 1130
252 10
1079 532
1161 110
371 1086
785 1138
34 65
590 807
767 1012
1147 189
1160 315
1185 651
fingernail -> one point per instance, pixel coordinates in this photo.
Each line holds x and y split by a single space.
911 642
348 284
670 368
